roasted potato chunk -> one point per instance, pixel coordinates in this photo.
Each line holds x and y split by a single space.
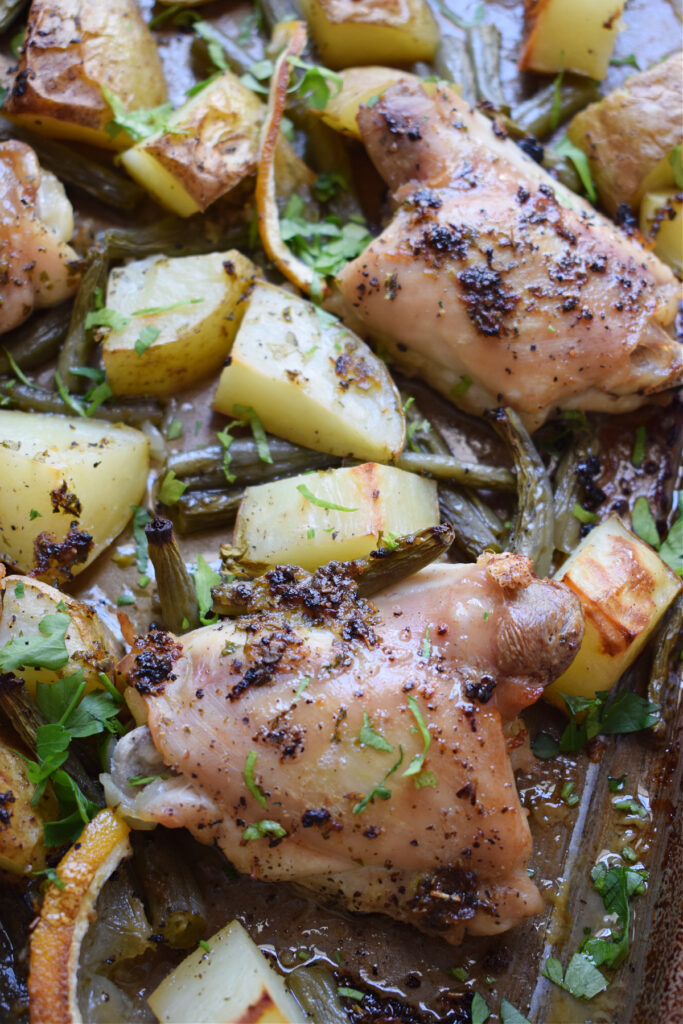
349 32
631 131
571 35
72 49
22 849
661 220
210 145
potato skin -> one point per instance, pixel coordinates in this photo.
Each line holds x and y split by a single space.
72 48
631 130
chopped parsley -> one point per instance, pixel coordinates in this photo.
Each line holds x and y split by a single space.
48 650
147 336
225 437
568 795
638 453
462 387
583 515
51 876
250 780
582 978
350 993
175 429
577 156
479 1010
205 946
643 522
630 61
627 712
34 514
105 317
379 792
19 589
617 885
300 689
316 83
426 646
69 400
140 519
155 310
138 124
171 489
204 579
322 502
16 369
671 550
143 780
417 763
369 737
262 830
257 430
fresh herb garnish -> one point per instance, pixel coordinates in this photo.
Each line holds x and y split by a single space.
155 310
583 515
19 589
568 795
263 829
68 399
643 522
620 62
324 245
617 885
615 784
147 336
509 1014
317 82
479 1010
143 780
328 184
34 514
638 453
51 876
582 978
379 792
204 579
171 489
138 124
16 369
671 550
369 737
140 519
676 165
417 763
630 806
322 502
249 779
45 651
300 689
350 993
426 652
257 431
462 387
627 712
580 161
105 317
203 944
175 429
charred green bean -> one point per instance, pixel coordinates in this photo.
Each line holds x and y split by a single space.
37 340
551 106
447 467
173 900
205 510
315 988
472 533
533 527
483 45
453 63
175 585
172 236
203 468
78 345
659 688
568 492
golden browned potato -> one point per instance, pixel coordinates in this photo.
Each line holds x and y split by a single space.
210 145
349 32
72 49
571 35
22 849
661 221
631 132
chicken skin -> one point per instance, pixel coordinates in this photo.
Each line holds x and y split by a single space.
37 267
359 749
495 283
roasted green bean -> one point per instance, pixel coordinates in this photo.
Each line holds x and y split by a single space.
37 340
78 345
659 688
473 534
173 901
563 169
447 467
568 491
483 45
172 236
551 106
9 10
203 468
315 988
453 63
275 11
533 527
207 35
99 181
34 399
175 585
205 510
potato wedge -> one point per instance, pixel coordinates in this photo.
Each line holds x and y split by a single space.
661 219
22 849
24 603
359 85
231 981
59 470
295 521
311 382
624 588
571 35
210 145
72 48
629 135
196 305
351 32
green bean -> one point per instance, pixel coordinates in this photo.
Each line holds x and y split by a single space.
487 514
203 469
99 181
453 63
79 344
9 10
542 112
568 491
380 569
472 533
206 34
205 510
175 585
483 44
563 169
172 896
275 11
25 717
447 467
34 399
315 988
172 236
662 687
533 527
37 340
421 431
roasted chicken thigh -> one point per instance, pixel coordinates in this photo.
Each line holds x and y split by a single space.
360 749
494 282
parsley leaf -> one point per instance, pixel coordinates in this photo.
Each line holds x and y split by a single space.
620 62
638 453
328 184
204 579
616 885
106 317
322 502
671 550
577 156
583 515
263 829
74 808
226 439
257 430
175 429
171 489
417 762
676 164
379 792
249 779
315 83
138 124
350 993
509 1014
45 651
479 1010
148 335
582 979
140 519
214 46
643 522
369 737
